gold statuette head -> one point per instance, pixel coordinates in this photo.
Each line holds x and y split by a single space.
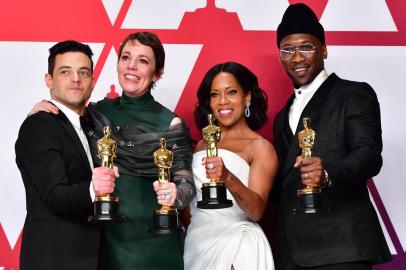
211 136
106 148
163 159
307 138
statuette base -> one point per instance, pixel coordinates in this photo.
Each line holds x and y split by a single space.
310 201
165 222
106 211
214 196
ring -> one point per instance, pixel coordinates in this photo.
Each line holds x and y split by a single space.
210 166
167 197
306 176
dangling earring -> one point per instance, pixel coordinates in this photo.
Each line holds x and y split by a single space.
247 111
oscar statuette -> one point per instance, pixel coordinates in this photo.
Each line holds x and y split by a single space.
214 192
309 196
165 219
105 207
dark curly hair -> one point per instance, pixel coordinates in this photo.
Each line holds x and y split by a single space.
248 82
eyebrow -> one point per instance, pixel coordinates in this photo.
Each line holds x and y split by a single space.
62 67
304 42
141 55
81 68
233 87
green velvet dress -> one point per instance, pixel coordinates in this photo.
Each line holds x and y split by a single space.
129 245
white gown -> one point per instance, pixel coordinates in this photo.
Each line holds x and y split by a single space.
219 238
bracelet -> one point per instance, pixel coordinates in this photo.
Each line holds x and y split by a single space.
178 203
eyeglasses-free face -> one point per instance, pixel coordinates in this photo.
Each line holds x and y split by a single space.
71 82
228 100
136 68
302 56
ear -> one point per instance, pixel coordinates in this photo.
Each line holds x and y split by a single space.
158 75
324 53
92 83
248 98
49 81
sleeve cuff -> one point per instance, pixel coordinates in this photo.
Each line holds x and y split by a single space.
91 190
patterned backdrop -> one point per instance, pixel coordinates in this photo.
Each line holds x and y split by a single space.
366 41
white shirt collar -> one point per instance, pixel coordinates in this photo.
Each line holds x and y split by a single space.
310 88
302 96
71 115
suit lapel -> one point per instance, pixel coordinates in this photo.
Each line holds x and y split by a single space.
311 110
285 138
69 128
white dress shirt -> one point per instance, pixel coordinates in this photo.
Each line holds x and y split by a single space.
302 97
73 117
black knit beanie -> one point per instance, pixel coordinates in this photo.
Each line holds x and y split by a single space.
299 18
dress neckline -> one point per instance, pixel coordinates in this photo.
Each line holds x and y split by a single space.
228 151
137 102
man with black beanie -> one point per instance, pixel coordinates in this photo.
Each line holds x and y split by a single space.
344 232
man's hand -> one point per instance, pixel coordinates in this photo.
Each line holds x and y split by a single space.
311 171
103 180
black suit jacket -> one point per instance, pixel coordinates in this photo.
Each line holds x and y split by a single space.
56 175
346 118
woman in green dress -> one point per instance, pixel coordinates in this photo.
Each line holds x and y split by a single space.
138 121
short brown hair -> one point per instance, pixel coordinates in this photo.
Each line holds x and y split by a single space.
151 40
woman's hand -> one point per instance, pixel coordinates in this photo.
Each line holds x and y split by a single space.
215 169
44 106
165 193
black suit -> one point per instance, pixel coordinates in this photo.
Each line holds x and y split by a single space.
346 118
56 175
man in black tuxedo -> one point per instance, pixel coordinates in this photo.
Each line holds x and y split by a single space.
53 156
346 234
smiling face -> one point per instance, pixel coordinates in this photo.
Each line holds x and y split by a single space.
136 68
71 82
228 100
302 70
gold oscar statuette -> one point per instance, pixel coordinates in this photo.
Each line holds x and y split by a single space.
310 195
105 207
165 218
214 192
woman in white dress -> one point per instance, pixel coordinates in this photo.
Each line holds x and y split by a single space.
230 238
